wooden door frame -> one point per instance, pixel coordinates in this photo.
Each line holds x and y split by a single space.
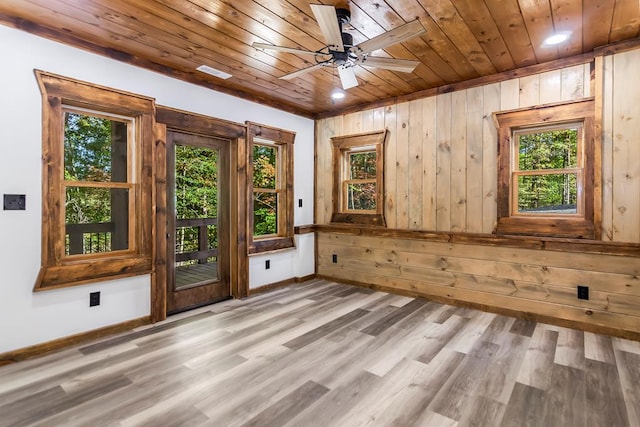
178 120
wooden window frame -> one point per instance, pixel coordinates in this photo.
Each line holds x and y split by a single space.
585 223
57 269
283 140
342 147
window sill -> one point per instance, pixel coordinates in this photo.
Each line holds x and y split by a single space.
360 219
90 271
271 245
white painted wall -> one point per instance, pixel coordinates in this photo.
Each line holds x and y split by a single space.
27 318
283 265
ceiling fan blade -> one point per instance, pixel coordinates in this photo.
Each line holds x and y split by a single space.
397 35
303 71
266 46
347 77
328 21
403 65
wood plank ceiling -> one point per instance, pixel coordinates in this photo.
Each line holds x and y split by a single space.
465 39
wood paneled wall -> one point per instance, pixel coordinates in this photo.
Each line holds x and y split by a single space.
440 174
441 153
529 281
621 147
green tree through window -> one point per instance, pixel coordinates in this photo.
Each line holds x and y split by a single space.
265 192
196 196
548 163
95 156
361 181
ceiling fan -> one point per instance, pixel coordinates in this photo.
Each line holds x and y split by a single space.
340 51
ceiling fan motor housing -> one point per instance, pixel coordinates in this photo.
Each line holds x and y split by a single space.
344 16
340 58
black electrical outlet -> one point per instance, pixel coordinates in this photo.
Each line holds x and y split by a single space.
299 203
583 292
15 202
94 299
267 264
334 258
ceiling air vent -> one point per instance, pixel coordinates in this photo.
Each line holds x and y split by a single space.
217 73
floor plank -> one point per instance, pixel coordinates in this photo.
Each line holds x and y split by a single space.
326 354
289 406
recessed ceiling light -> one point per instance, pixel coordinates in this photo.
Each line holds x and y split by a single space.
338 95
216 73
557 38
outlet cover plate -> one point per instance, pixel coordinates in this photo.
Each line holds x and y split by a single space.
583 292
94 299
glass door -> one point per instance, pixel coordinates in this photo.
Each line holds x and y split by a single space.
198 225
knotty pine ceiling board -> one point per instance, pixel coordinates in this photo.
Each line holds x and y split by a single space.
464 40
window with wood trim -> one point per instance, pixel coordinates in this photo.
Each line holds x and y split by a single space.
97 151
358 178
549 171
270 197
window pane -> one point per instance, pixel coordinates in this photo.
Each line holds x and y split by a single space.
362 165
264 166
265 213
553 194
361 196
95 149
97 220
555 149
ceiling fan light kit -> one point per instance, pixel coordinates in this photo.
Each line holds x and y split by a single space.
340 52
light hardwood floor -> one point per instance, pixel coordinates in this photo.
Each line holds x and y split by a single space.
325 354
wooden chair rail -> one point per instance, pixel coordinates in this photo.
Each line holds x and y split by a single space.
528 242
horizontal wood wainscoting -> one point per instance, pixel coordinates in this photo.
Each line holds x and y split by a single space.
528 277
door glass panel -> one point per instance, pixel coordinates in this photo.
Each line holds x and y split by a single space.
196 201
